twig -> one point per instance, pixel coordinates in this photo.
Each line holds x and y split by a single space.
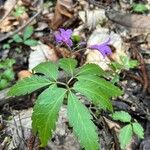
139 57
23 26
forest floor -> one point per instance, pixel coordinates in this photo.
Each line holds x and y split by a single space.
126 23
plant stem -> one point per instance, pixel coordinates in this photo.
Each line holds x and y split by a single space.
70 80
61 83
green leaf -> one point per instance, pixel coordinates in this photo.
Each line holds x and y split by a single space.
125 136
49 69
8 74
80 120
91 69
121 116
105 86
31 42
20 10
91 91
133 63
7 63
28 85
6 46
17 38
139 8
127 63
3 84
116 66
68 65
138 130
45 113
28 32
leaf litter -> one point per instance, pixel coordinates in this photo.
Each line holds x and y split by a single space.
95 24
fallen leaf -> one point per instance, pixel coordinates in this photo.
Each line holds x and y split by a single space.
92 18
23 74
112 125
40 54
139 22
8 24
63 12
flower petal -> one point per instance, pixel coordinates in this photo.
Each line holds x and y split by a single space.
69 42
68 32
58 38
62 31
94 47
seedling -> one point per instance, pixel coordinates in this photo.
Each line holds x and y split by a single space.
7 73
126 133
19 11
125 64
26 37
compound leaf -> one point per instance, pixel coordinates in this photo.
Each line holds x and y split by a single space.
125 136
80 120
93 94
45 113
138 130
28 85
121 116
28 32
68 65
49 69
105 86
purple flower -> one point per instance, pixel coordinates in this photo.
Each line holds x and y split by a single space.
103 48
64 36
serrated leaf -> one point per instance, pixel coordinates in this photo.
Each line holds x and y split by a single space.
28 32
68 65
17 38
121 116
138 130
31 42
49 69
105 86
93 94
45 113
125 136
91 69
80 120
28 85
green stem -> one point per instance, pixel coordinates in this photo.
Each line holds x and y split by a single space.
70 80
61 83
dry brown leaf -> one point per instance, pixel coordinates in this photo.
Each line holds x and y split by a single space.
23 74
63 12
63 52
9 5
112 125
140 22
8 24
